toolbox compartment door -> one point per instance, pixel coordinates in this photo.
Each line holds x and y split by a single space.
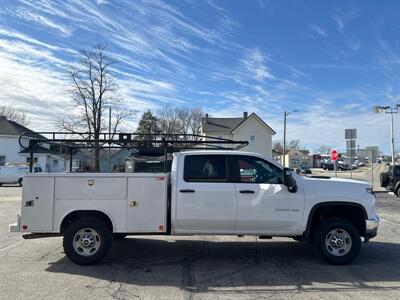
147 204
37 204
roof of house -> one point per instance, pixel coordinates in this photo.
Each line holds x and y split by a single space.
8 127
227 124
41 150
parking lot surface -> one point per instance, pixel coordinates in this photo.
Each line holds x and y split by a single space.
208 267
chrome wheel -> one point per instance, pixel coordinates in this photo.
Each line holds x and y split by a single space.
86 242
338 242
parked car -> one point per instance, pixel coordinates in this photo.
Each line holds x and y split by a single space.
208 192
15 173
391 179
327 164
304 170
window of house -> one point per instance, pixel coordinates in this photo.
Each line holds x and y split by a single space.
205 168
252 140
35 159
2 160
256 170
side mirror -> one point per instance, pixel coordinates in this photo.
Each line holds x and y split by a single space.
289 181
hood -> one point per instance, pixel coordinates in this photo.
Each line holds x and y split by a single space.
338 180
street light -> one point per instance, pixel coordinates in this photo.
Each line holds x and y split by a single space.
285 114
389 110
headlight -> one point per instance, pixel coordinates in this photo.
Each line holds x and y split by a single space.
369 190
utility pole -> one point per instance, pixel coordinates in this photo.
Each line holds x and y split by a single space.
109 137
285 114
284 138
389 110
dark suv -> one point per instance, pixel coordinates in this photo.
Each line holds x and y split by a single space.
391 179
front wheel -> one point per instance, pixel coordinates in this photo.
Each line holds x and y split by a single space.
87 241
337 241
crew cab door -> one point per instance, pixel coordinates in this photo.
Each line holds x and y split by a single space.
264 204
205 200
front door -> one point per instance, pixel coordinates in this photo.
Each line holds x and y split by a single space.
206 201
264 204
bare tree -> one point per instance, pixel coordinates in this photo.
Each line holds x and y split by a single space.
278 146
180 120
324 149
93 91
293 144
12 114
195 122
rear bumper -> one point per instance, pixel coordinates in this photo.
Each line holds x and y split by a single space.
371 227
15 227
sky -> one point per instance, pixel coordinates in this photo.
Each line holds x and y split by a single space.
333 61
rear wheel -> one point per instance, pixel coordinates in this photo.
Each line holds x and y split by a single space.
337 241
87 241
384 179
397 192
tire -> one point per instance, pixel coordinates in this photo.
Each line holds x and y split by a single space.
87 241
337 241
384 179
397 192
119 236
20 181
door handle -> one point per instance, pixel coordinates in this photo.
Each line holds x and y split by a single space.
246 192
186 191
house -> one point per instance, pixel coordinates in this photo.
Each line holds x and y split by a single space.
249 128
117 160
12 153
82 160
295 158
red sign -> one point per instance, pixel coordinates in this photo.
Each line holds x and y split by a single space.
334 155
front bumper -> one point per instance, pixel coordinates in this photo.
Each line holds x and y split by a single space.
371 227
15 227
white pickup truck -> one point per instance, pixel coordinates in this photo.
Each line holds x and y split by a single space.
209 192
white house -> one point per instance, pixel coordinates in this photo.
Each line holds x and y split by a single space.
12 153
249 128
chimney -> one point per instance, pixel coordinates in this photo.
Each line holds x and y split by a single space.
206 118
245 115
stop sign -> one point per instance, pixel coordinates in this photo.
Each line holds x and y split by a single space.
334 155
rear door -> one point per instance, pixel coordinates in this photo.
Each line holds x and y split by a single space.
206 200
264 204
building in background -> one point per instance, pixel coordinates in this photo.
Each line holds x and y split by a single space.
297 158
249 128
371 153
12 153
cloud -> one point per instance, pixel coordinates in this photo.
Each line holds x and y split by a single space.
317 29
43 21
254 64
343 17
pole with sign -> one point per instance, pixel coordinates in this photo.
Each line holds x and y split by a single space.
334 158
351 136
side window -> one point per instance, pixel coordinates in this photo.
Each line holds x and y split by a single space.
256 170
205 168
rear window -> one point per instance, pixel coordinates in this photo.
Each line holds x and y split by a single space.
205 168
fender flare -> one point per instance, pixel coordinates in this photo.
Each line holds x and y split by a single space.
306 233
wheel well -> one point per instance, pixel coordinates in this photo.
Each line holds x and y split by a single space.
75 215
351 212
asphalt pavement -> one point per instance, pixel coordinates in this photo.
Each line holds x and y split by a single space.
150 267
